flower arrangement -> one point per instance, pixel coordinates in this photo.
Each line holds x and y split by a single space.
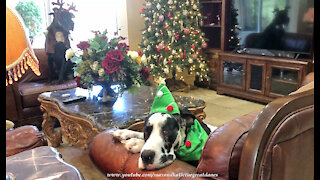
108 62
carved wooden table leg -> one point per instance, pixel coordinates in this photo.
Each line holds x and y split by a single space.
53 137
75 131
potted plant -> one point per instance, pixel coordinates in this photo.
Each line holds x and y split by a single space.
30 13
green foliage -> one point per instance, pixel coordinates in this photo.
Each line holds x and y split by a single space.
165 20
30 14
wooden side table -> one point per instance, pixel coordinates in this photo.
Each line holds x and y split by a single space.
81 121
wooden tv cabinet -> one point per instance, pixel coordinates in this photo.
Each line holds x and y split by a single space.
259 78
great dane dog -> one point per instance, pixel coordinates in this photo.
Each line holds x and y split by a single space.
162 136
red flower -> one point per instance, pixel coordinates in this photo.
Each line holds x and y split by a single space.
122 46
145 72
83 45
111 62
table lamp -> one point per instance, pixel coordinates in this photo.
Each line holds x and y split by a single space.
19 53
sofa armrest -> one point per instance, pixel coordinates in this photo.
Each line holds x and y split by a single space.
308 78
12 110
222 151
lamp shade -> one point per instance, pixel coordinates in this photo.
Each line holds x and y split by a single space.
19 53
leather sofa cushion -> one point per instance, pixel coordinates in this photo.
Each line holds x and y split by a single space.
23 138
110 156
31 90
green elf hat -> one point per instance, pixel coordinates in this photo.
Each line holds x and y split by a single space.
196 139
164 102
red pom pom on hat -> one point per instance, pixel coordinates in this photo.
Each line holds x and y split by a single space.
188 144
170 108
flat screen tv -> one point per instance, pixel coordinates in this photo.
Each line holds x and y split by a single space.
274 26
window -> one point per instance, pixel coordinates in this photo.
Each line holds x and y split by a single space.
91 15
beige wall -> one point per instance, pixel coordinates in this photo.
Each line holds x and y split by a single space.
134 23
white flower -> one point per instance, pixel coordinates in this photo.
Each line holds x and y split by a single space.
133 54
69 54
101 72
144 59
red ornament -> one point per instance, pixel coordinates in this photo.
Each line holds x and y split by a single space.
193 46
177 36
150 22
186 30
195 32
140 53
165 27
169 15
142 9
169 61
166 49
186 44
188 144
170 108
158 49
161 34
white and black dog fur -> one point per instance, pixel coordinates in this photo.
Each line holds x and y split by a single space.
162 135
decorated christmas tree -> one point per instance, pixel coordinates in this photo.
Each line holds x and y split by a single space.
172 40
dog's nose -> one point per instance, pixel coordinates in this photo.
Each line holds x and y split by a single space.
147 156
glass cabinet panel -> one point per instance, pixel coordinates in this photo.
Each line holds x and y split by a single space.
283 81
233 73
256 77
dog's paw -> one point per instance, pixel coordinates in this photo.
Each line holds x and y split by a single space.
124 134
133 145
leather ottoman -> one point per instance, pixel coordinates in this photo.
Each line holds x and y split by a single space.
40 163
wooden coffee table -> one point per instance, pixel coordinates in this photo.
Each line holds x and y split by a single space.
81 121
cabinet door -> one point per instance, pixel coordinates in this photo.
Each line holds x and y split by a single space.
256 73
232 72
282 80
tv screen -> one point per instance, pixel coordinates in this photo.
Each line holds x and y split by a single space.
284 25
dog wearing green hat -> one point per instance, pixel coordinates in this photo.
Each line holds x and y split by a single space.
169 133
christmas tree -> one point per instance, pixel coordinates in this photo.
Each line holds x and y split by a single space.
172 40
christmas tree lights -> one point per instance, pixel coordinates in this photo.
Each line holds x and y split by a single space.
172 39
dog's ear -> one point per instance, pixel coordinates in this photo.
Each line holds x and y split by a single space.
187 116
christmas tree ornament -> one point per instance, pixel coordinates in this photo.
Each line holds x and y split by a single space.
143 9
174 52
190 60
188 144
157 34
187 3
178 69
166 49
195 32
161 46
195 56
159 94
169 15
195 7
166 70
158 6
170 2
185 12
177 36
145 42
193 46
161 34
148 47
161 18
165 27
204 44
148 5
186 30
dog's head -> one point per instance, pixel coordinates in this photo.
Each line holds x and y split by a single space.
163 135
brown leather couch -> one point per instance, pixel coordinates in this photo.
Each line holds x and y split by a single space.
22 106
274 143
